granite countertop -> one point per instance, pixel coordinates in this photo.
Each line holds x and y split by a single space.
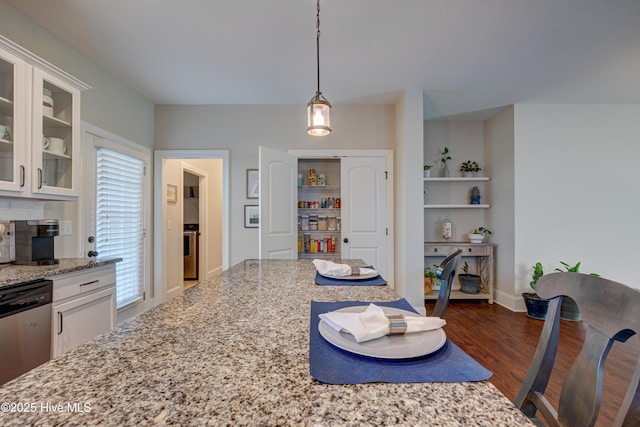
11 274
234 351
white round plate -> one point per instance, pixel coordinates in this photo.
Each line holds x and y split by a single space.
354 277
389 347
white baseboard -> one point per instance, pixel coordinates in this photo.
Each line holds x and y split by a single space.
513 303
214 272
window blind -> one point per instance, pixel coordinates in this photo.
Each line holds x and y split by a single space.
120 220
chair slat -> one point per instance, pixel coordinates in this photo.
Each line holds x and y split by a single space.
609 309
446 272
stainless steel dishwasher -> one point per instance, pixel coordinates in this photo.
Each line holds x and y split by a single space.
25 327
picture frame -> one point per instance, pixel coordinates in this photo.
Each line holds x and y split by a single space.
253 180
251 216
172 193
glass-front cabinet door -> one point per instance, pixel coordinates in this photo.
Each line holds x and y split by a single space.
13 122
56 131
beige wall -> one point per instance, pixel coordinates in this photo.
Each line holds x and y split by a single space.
242 129
576 187
409 210
499 157
109 104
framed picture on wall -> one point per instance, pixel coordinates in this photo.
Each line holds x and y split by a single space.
172 193
251 216
252 183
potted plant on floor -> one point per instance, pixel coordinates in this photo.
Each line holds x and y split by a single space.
536 306
430 278
477 235
469 283
568 308
469 168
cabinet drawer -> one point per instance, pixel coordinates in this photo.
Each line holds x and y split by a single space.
438 250
76 283
475 250
467 250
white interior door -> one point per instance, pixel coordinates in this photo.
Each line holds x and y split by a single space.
278 204
364 210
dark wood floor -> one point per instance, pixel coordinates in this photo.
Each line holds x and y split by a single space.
504 342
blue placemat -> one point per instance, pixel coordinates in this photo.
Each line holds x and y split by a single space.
332 365
329 281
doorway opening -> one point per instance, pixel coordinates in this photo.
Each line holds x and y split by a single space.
179 169
193 203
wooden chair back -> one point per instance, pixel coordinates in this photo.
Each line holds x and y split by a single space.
610 313
446 272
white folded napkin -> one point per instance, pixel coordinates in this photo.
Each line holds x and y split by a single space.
373 323
332 269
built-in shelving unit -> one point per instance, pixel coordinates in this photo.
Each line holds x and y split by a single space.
321 240
461 179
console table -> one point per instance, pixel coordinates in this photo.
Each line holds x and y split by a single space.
484 257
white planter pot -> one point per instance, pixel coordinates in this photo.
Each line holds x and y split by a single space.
427 173
476 238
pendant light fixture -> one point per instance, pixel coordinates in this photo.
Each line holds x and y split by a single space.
318 109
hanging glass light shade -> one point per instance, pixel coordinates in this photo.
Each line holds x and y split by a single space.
318 109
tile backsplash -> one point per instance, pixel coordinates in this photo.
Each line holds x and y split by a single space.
16 209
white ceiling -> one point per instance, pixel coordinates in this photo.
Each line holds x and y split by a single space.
466 55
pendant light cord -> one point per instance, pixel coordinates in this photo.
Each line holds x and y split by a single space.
318 46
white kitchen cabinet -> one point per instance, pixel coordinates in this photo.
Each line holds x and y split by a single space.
84 306
14 101
38 101
360 178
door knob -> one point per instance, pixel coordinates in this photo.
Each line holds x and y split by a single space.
92 254
345 240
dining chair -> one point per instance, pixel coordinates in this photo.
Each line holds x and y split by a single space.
446 272
609 311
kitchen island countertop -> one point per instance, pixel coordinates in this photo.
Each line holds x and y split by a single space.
11 274
234 350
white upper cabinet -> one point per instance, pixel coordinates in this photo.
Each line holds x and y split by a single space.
14 127
40 115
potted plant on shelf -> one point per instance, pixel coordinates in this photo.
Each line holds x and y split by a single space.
469 168
477 235
430 278
444 158
427 171
536 307
469 283
568 308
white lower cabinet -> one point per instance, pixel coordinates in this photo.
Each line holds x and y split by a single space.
84 306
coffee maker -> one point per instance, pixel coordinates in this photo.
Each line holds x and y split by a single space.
34 241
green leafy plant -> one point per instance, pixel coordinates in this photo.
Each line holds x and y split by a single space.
427 167
469 166
537 274
573 269
465 267
445 156
431 271
481 230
